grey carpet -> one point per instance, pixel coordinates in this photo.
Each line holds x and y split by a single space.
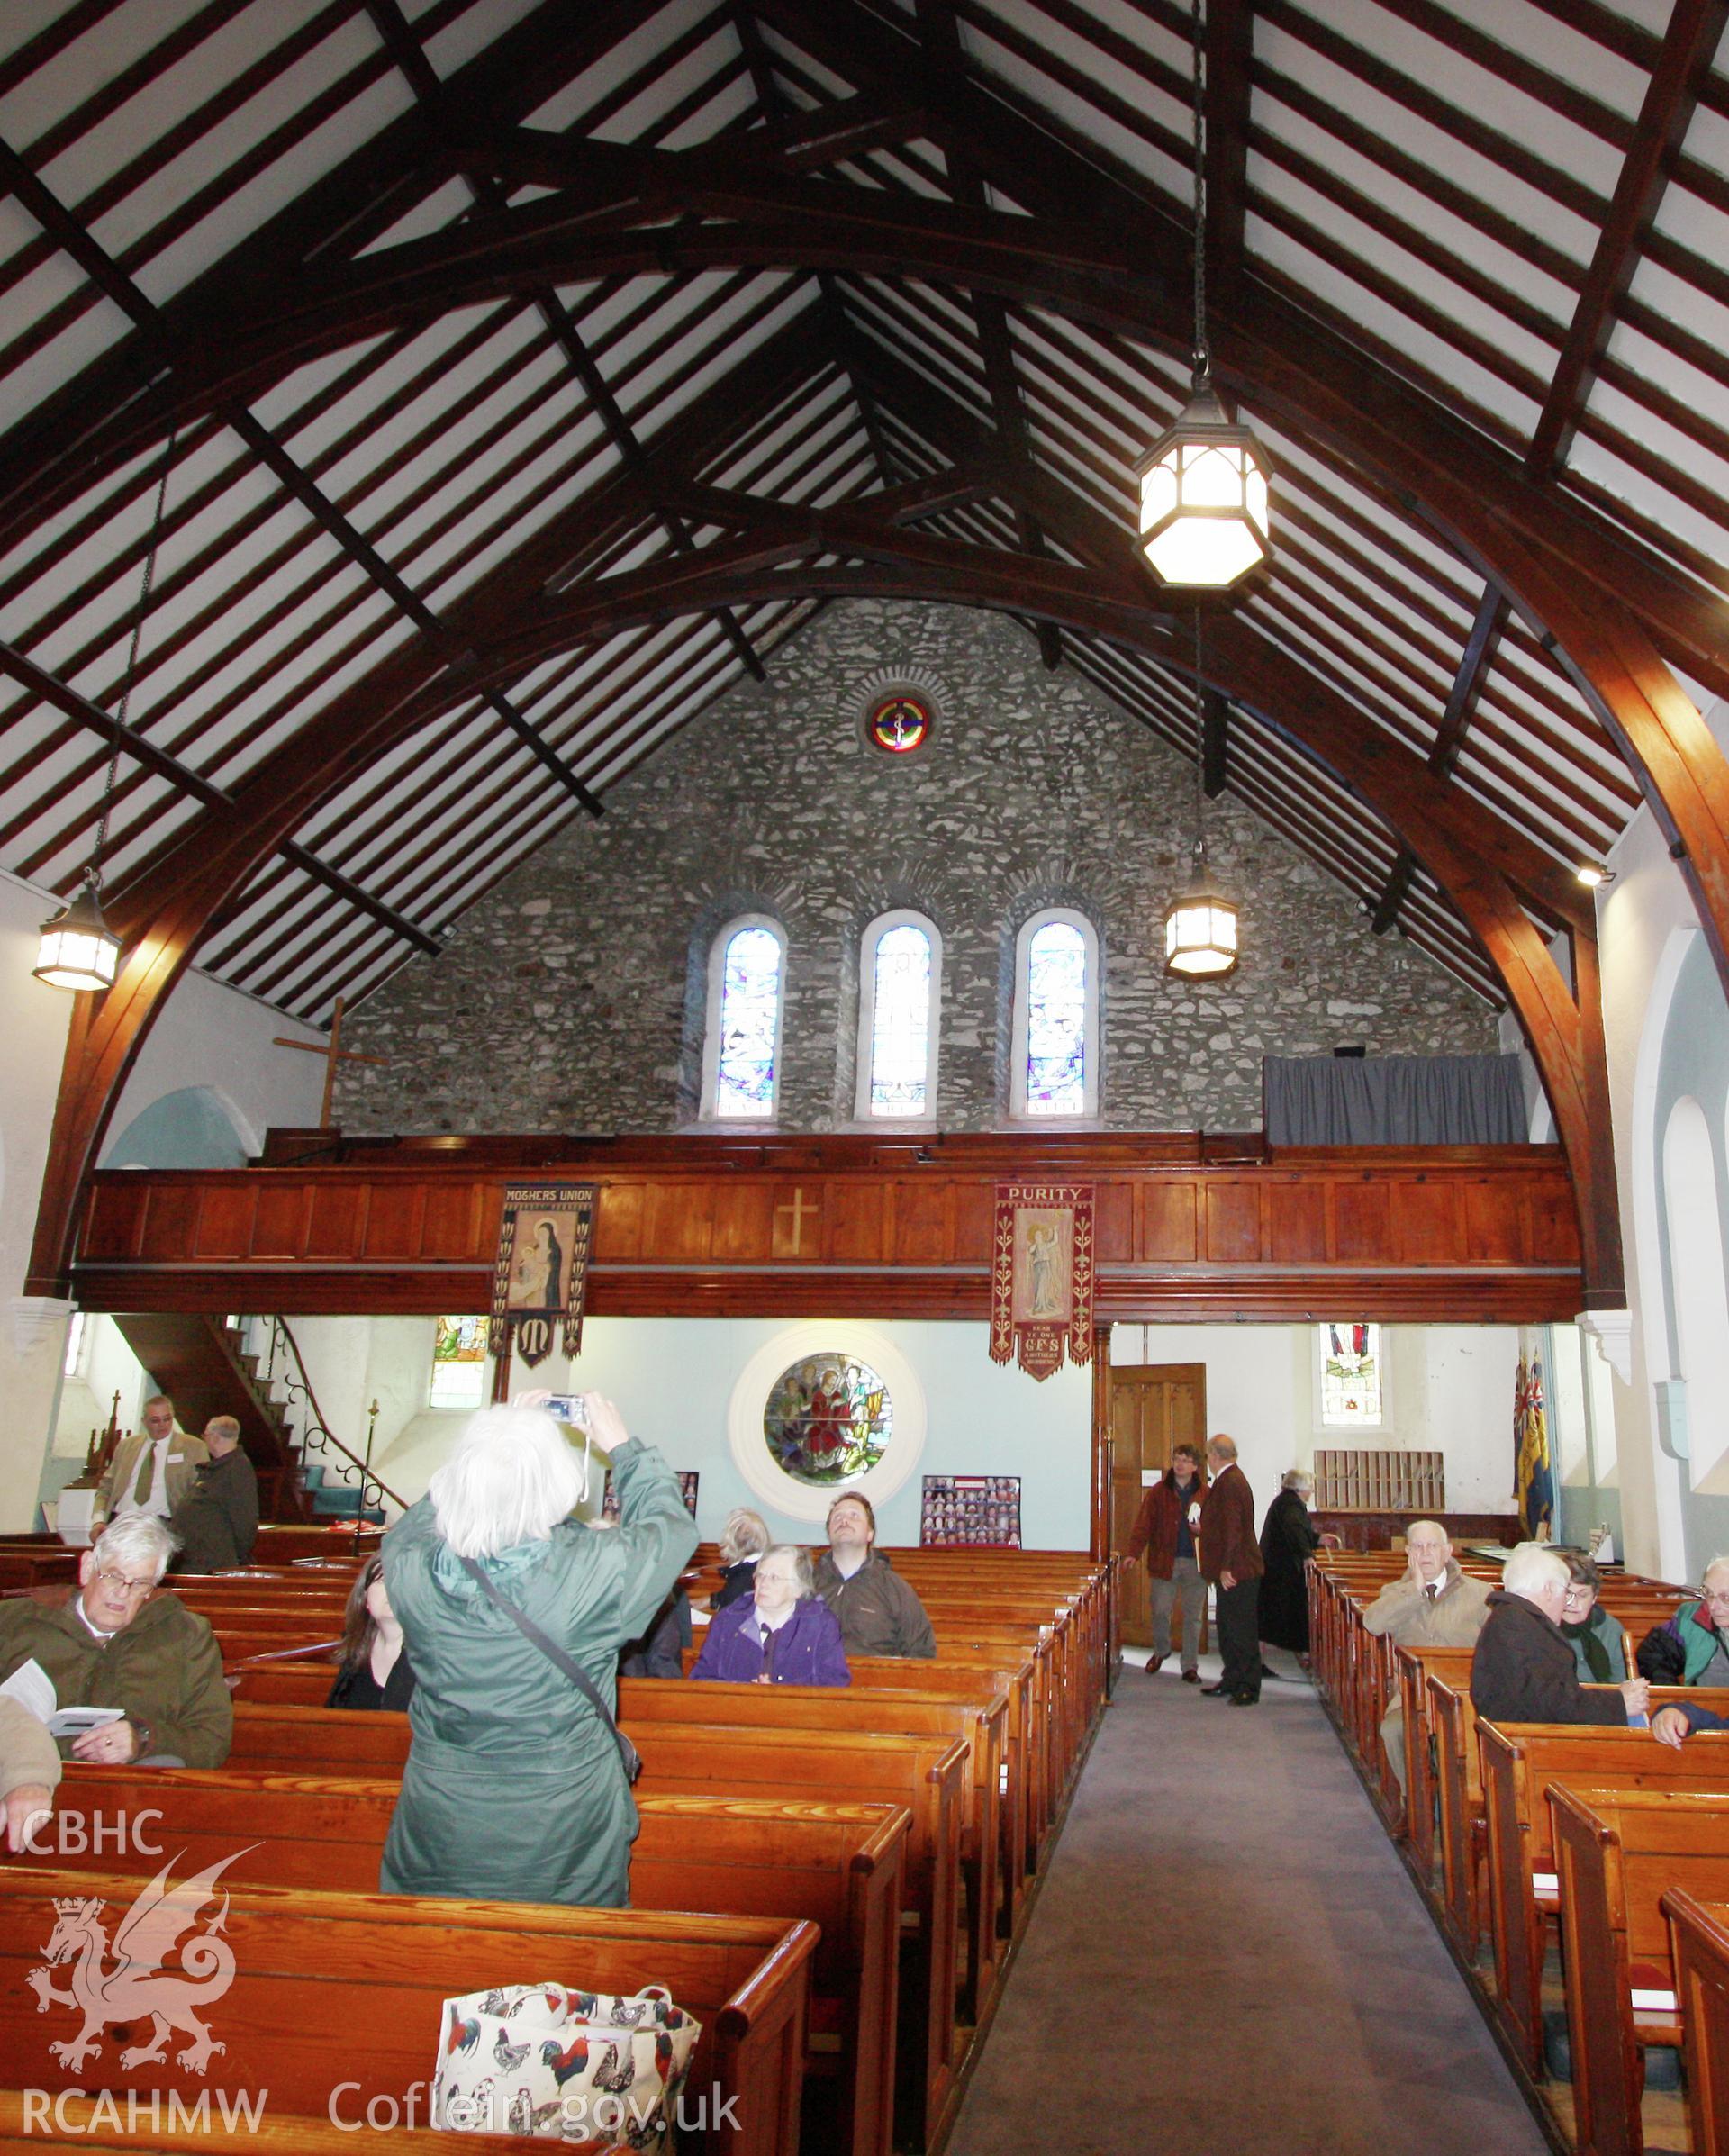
1228 1956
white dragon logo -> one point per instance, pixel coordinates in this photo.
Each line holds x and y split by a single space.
138 1985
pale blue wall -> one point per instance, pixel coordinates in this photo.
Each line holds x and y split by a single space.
187 1128
673 1379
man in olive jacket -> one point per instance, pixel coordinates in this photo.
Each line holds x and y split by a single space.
1230 1557
116 1641
879 1613
1524 1669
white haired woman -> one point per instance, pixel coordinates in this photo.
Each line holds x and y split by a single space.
743 1540
514 1788
785 1634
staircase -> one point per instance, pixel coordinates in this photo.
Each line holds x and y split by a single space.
251 1369
203 1367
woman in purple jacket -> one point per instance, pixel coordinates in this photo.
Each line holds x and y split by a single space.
782 1633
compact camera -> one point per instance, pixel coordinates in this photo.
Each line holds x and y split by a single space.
570 1407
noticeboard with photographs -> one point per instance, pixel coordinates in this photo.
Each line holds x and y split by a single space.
970 1512
688 1478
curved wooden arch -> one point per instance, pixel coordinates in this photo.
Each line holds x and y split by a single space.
163 915
1572 578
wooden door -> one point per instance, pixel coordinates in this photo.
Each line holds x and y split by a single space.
1152 1406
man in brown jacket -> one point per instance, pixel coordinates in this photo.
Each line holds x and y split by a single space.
1165 1527
1230 1557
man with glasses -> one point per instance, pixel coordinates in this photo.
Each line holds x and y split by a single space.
1693 1646
116 1641
152 1471
1432 1604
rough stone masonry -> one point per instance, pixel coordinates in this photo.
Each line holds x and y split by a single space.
574 997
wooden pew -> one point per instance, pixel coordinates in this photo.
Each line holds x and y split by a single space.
980 1726
290 2029
1700 1940
837 1866
306 1683
927 1775
1460 1793
1413 1666
1617 1852
1520 1762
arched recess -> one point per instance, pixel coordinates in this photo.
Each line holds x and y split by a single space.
1483 865
190 1128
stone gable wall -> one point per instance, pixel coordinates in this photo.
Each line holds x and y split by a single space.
573 996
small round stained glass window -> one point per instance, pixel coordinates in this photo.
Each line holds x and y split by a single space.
899 723
828 1419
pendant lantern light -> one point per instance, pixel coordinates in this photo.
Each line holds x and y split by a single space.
78 949
1200 926
1204 499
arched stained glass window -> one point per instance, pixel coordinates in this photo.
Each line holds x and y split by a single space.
900 982
1057 1025
742 1062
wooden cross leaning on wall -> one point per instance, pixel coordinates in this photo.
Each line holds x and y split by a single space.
336 1053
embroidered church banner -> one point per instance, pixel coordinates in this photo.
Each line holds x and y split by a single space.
1041 1286
541 1272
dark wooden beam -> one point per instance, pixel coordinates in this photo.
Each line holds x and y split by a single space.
1690 43
1230 41
1215 744
1481 645
363 901
545 755
1394 891
294 481
1481 649
939 32
405 50
50 689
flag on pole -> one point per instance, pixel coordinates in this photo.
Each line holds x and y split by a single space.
1534 1467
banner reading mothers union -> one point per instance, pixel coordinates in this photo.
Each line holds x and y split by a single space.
540 1274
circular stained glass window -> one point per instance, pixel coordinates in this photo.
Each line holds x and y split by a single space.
899 723
829 1420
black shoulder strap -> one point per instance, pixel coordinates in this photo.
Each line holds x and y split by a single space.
560 1660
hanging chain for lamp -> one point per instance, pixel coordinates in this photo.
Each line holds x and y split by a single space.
78 949
1201 351
1201 927
1204 500
92 872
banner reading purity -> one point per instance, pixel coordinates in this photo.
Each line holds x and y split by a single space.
1041 1286
541 1273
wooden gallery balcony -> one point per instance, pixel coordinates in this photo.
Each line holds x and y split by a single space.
1185 1227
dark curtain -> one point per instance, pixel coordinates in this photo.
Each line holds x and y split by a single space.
1394 1101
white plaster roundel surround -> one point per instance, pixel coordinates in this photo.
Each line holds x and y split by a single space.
750 1453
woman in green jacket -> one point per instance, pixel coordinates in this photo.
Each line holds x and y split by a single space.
514 1789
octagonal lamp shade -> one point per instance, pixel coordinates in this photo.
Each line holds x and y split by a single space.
78 948
1204 503
1200 935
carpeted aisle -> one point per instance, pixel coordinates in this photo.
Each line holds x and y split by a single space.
1227 1958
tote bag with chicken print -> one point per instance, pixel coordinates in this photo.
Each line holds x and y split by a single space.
586 2067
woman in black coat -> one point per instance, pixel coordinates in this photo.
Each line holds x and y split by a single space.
1287 1541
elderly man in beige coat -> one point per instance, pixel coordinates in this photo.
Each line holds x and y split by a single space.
1432 1604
